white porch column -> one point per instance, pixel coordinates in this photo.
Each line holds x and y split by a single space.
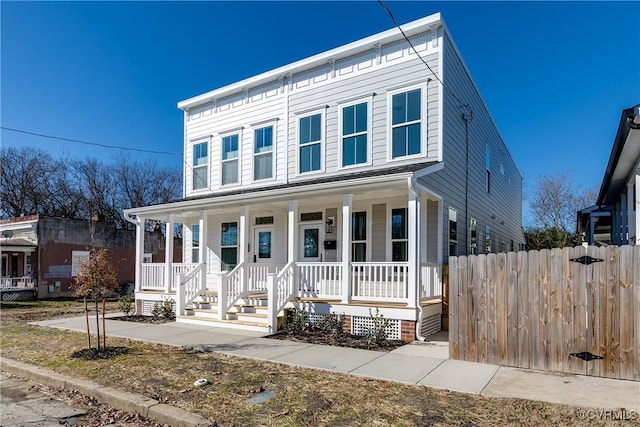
139 252
292 232
202 249
168 255
346 247
414 208
242 247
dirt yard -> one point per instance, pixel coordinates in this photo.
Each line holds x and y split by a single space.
301 397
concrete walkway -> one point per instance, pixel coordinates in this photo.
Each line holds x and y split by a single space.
418 363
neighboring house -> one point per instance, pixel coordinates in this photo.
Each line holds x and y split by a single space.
615 218
337 181
45 251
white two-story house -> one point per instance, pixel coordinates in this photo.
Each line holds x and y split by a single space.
343 182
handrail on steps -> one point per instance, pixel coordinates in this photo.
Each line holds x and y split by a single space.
181 292
224 302
274 303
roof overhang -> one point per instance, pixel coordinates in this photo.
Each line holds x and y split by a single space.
356 183
415 27
625 157
17 244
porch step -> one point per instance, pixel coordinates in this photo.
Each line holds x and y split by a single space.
208 313
258 318
229 323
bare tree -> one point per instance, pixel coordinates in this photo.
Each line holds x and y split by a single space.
555 201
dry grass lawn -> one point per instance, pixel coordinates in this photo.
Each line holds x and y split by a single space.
303 397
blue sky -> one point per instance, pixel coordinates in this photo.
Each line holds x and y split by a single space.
554 75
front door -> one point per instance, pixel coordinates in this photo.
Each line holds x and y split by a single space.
262 240
310 236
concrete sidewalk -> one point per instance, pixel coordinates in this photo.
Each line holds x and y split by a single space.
417 363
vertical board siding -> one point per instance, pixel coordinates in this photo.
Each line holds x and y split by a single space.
534 309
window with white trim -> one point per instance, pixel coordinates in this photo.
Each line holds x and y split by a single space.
473 230
487 239
453 232
359 237
354 134
406 118
229 245
230 151
310 141
263 153
200 166
399 235
195 243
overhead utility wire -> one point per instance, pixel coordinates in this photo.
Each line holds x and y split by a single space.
115 147
462 103
140 150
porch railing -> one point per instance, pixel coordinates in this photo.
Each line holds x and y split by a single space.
230 289
380 281
257 275
152 276
430 280
188 287
280 290
177 269
17 282
319 279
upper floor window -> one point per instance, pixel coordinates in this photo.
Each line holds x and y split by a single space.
310 134
200 165
354 134
406 123
263 153
230 159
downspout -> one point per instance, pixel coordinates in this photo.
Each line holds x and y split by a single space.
419 337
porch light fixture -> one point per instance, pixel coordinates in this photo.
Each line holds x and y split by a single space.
328 226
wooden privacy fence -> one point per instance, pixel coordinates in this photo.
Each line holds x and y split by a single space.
574 310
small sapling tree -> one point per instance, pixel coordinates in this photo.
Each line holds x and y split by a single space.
96 280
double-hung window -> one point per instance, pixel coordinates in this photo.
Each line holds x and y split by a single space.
487 239
453 232
406 123
263 153
229 245
230 159
310 139
354 134
195 243
200 165
473 228
359 237
399 235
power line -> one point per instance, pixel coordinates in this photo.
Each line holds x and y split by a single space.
115 147
462 103
95 144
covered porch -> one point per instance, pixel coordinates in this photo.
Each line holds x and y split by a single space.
377 243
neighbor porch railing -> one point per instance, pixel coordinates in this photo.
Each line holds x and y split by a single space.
380 281
319 279
17 282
